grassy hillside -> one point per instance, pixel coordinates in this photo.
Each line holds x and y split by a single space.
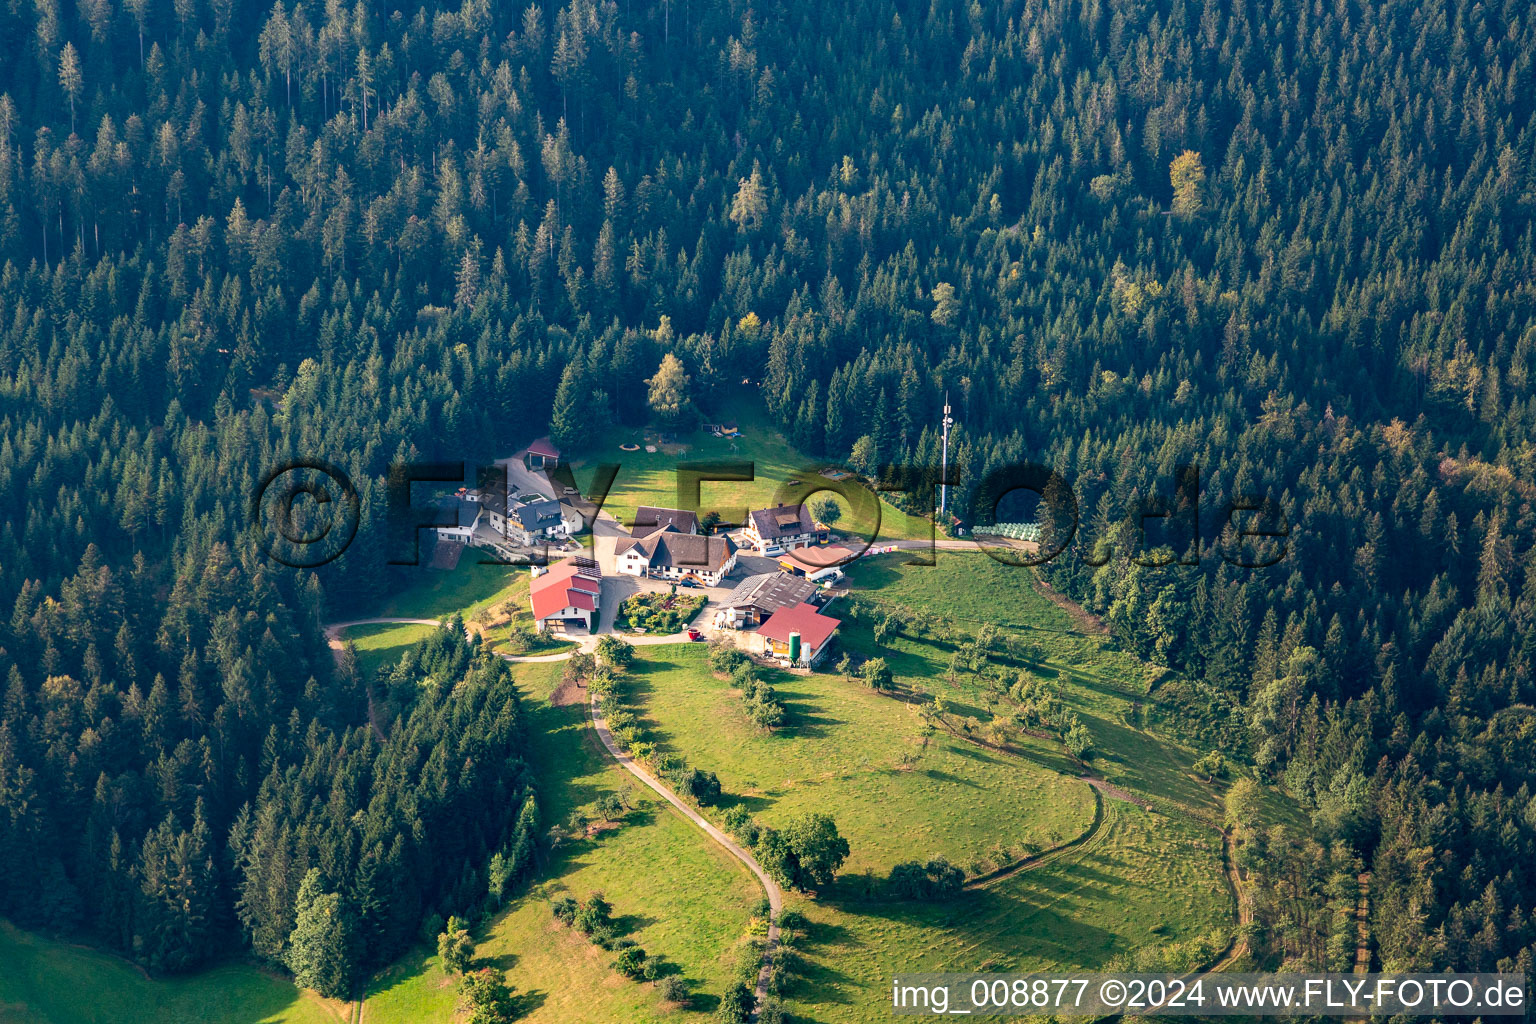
1107 688
680 896
650 478
381 645
492 600
436 593
896 790
45 982
1146 883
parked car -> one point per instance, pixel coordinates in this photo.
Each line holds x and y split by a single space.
688 583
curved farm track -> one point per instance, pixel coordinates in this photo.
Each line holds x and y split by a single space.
1086 840
1078 846
600 727
1242 908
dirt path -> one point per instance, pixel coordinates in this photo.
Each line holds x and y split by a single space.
1238 947
1035 860
775 894
1081 617
1114 792
600 726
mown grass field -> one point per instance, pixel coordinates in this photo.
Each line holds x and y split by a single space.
898 791
650 478
1148 881
436 593
679 895
1106 687
45 982
381 645
1145 882
492 600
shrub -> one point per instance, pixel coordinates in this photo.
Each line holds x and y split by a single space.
877 674
725 657
488 998
703 787
1079 741
454 947
735 1006
938 879
610 806
564 909
766 714
615 651
674 990
744 675
739 823
630 962
592 914
771 1013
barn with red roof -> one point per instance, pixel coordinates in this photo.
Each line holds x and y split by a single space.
797 622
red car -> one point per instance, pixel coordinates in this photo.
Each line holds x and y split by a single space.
694 634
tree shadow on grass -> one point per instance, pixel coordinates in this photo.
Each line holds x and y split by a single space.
500 962
628 924
410 966
999 925
524 1003
813 979
938 775
751 802
803 719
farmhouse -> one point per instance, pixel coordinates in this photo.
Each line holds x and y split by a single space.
796 626
535 522
782 528
670 554
456 518
492 497
649 519
567 594
758 597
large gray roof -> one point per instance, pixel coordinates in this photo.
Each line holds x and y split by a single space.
770 590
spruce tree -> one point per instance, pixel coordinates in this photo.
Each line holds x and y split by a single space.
319 949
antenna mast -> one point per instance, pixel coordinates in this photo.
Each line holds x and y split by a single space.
944 472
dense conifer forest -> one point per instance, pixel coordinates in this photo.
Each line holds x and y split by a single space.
1289 242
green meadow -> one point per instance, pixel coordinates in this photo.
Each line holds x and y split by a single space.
492 600
897 789
46 982
674 891
1143 888
650 478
